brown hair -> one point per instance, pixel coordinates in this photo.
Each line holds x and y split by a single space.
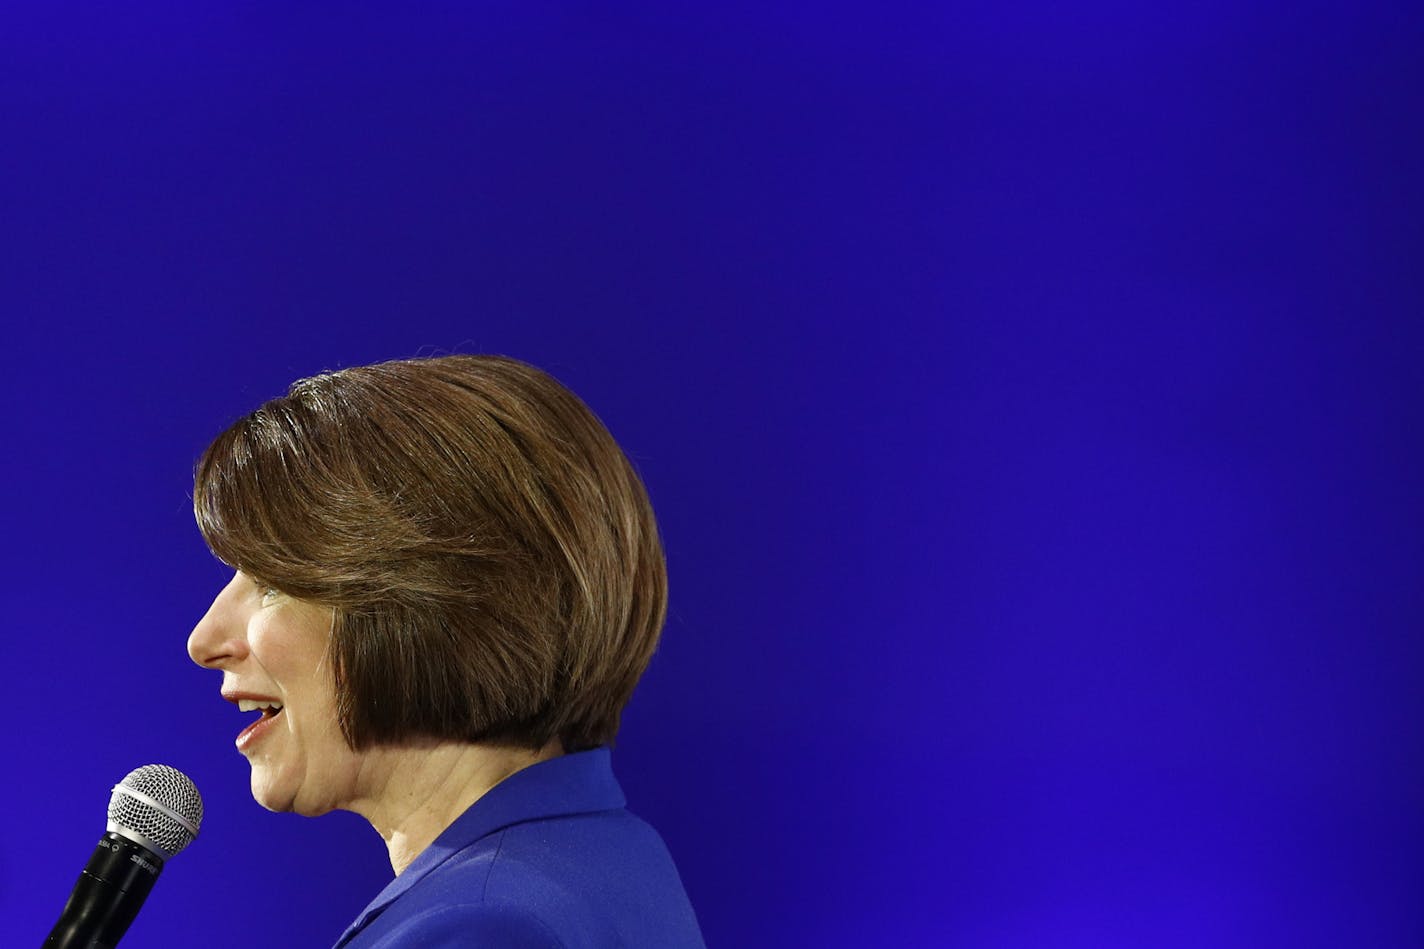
489 552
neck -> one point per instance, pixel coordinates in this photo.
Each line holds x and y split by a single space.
424 788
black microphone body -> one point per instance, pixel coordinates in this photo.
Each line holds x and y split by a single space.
110 891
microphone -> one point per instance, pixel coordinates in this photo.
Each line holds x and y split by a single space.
154 812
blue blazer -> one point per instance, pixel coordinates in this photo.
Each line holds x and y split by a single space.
549 857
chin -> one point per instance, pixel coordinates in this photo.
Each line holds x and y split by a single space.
271 791
281 800
268 798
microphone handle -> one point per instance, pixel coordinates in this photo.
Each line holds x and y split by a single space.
110 891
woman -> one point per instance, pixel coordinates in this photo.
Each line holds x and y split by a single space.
448 581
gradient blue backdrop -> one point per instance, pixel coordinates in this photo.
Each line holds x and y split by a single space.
1030 394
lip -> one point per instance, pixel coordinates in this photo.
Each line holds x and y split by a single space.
253 733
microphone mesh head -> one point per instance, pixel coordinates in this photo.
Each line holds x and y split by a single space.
159 804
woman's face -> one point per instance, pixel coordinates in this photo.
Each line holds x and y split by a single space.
272 652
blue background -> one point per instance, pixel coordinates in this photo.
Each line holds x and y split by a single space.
1030 395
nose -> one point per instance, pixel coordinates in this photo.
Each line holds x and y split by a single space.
220 638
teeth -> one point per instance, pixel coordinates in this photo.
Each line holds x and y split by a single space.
248 705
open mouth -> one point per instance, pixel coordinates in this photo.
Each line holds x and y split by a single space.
269 710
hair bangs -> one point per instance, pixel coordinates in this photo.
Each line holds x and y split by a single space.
244 501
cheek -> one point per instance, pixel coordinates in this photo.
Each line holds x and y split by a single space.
268 645
293 652
312 699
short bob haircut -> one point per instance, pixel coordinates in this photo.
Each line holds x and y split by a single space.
488 551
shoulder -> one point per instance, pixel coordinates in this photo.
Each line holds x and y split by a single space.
520 887
593 880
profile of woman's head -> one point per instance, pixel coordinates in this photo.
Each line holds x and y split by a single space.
489 554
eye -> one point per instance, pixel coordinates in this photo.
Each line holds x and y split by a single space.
265 592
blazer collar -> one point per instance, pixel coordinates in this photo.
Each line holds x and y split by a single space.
578 783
